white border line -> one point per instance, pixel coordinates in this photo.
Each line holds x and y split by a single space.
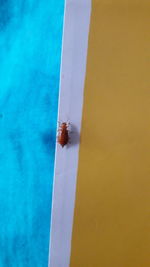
73 69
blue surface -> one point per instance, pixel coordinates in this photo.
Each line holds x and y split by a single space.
30 50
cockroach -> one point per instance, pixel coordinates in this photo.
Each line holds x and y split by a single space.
63 134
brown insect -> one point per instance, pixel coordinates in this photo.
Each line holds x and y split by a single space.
63 134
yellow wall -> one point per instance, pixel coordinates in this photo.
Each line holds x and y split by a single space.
112 214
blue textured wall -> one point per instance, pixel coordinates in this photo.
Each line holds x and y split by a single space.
30 49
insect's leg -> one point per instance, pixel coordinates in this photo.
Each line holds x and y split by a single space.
68 126
59 122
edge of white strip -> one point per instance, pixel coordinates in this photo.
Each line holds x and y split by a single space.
72 77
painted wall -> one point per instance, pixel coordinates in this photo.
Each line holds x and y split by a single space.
30 55
112 214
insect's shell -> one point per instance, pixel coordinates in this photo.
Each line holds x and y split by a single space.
63 135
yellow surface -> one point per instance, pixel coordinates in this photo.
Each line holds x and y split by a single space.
112 213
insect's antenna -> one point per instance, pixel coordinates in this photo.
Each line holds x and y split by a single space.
68 120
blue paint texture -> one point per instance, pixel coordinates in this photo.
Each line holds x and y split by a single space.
30 52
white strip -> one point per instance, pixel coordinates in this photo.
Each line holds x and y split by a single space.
74 54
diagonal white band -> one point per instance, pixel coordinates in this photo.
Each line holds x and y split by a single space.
73 69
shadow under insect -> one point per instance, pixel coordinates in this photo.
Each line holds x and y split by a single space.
74 136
